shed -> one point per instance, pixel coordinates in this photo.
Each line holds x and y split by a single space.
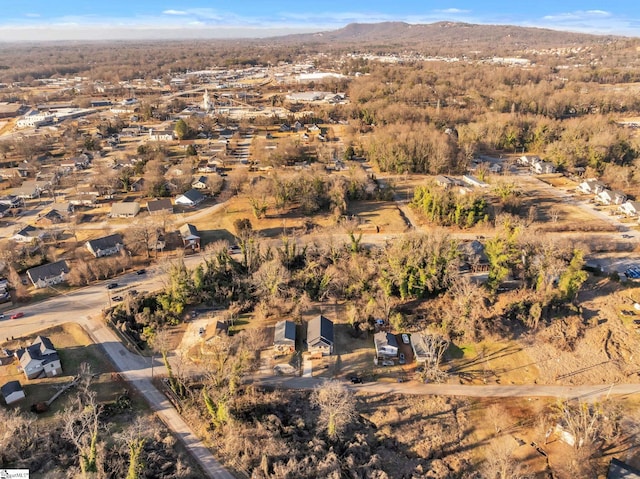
12 392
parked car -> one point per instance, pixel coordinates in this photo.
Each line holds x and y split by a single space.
2 316
141 271
355 380
201 332
401 359
234 249
112 285
405 338
117 298
17 315
387 362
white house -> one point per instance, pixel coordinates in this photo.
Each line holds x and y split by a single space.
320 336
161 135
39 359
473 181
630 208
48 274
30 233
543 167
528 160
190 198
591 187
105 246
609 197
190 237
200 183
386 345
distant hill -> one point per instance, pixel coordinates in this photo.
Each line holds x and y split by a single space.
450 36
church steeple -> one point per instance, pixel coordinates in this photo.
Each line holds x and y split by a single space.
206 101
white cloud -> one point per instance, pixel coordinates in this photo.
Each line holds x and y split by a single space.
452 10
32 15
174 12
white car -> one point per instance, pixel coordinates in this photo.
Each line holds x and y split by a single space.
405 338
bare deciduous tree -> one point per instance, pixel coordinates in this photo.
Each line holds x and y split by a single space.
81 422
337 407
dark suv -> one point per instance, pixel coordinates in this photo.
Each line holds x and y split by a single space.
112 285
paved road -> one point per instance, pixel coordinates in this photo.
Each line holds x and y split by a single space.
586 392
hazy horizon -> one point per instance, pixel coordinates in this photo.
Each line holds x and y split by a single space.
197 19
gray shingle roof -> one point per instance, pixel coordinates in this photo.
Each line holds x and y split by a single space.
46 271
105 242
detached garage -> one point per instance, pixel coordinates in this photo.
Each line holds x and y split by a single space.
12 392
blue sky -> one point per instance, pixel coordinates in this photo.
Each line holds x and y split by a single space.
133 19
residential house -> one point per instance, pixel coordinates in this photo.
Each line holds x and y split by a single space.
161 135
609 197
630 208
543 167
320 336
190 237
591 187
528 160
29 233
157 207
618 197
48 274
205 167
444 181
105 246
284 337
39 359
28 191
12 392
474 256
51 217
421 351
137 184
82 200
124 209
621 470
190 198
201 183
4 210
473 181
495 168
12 201
386 345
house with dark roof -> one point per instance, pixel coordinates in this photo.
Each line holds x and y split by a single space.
190 237
50 218
12 392
39 359
621 470
320 336
284 337
48 274
105 246
200 183
190 198
386 345
157 207
30 233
